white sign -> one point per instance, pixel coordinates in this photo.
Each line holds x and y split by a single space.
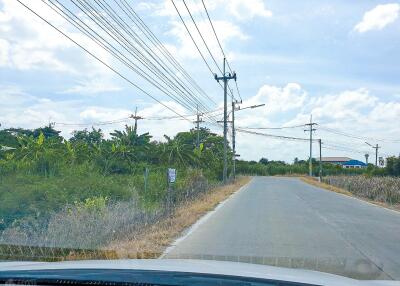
171 175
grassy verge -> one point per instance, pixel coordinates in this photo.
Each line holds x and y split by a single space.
315 182
155 238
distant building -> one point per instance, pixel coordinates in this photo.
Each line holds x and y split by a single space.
354 164
335 160
345 162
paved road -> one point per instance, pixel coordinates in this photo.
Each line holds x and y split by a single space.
286 222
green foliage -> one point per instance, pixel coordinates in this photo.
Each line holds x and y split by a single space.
93 137
393 166
94 204
44 172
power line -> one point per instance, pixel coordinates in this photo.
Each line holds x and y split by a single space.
338 132
102 22
141 25
147 49
195 43
99 60
274 128
220 45
98 39
111 49
273 135
201 36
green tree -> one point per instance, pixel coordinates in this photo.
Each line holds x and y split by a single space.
48 132
95 136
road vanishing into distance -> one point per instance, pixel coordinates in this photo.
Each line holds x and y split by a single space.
286 222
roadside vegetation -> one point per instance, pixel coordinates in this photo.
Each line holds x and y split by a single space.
92 190
43 175
379 189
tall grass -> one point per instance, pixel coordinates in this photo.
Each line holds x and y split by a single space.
380 189
97 221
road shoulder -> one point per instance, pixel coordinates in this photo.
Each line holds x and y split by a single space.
154 239
314 182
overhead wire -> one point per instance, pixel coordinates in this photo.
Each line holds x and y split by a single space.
220 46
111 49
141 25
148 50
274 128
99 40
201 36
108 27
338 132
98 59
195 43
274 136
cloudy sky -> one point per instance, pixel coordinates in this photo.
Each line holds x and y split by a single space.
337 60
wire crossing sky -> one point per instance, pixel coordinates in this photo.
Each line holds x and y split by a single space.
337 61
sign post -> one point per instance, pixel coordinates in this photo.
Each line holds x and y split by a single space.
171 177
146 176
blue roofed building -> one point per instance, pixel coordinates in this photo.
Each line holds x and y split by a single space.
345 162
354 164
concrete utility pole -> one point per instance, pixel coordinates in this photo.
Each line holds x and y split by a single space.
311 130
235 108
376 147
198 121
320 159
225 77
136 117
234 139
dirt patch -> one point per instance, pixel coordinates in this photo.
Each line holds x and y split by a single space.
315 182
154 239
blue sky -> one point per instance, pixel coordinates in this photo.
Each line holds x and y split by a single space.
337 60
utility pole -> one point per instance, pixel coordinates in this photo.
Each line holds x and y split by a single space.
376 154
320 159
311 130
198 121
234 102
376 147
136 117
225 77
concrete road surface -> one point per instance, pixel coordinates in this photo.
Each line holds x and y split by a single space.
286 222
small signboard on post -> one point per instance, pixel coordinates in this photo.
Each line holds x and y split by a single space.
171 175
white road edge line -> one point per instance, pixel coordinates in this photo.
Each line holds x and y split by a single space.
200 221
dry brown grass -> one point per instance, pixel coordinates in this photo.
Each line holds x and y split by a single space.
155 238
315 182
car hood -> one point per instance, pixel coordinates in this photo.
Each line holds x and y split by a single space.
201 267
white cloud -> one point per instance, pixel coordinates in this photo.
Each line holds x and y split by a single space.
280 99
379 17
354 111
186 48
93 86
27 43
21 109
239 9
248 9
